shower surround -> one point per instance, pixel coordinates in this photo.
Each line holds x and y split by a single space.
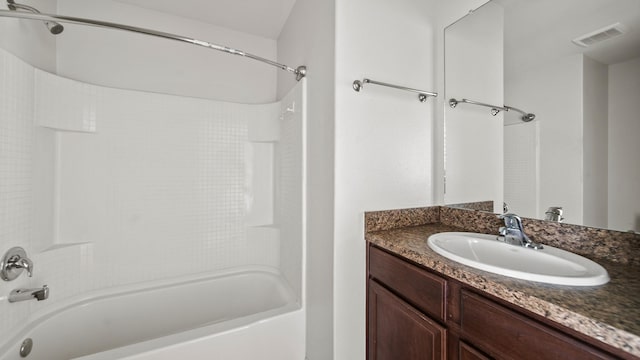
107 187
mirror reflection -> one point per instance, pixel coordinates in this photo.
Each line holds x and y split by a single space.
575 64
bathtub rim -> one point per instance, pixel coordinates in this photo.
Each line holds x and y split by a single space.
195 334
292 302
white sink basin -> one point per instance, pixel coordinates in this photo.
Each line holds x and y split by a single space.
548 265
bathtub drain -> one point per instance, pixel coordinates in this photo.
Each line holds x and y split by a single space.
25 348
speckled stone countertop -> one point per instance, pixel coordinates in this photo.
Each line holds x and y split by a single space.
609 313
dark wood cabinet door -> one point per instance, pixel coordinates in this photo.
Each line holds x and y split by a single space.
397 331
467 352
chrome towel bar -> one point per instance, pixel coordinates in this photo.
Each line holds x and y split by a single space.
495 109
422 95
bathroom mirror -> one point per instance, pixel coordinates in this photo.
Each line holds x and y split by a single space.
575 64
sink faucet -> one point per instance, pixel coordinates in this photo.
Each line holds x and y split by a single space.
29 294
513 233
554 213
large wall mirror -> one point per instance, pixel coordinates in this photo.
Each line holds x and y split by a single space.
575 65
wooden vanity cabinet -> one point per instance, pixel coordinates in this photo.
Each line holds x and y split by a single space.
413 313
399 331
407 327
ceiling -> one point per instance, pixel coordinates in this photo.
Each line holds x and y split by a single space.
264 18
538 29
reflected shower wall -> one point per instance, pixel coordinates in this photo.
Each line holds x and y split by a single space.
146 186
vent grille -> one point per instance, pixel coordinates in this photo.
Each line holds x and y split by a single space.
600 35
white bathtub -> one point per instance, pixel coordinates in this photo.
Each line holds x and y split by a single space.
247 314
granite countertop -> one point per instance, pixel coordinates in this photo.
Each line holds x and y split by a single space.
609 313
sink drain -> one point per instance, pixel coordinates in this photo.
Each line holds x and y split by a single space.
25 348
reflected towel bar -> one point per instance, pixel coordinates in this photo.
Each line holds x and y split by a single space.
494 109
526 117
422 95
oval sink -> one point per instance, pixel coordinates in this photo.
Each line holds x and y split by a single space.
549 265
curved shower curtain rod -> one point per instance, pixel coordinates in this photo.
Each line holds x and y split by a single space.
300 72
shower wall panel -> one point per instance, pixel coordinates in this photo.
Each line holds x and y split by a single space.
163 180
290 203
16 171
26 185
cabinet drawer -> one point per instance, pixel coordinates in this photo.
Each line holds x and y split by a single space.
503 333
423 290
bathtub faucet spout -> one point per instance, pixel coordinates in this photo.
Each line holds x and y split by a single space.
29 294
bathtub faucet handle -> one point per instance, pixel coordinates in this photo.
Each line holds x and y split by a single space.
14 261
26 264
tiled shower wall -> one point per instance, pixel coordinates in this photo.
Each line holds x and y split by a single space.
162 185
16 170
147 186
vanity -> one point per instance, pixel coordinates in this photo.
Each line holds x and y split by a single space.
421 305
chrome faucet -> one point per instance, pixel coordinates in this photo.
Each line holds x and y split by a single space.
513 233
13 263
554 213
29 294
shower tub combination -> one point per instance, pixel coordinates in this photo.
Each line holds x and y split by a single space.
240 313
247 313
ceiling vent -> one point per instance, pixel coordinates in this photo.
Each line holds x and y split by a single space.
600 35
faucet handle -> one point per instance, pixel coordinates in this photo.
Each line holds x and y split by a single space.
26 264
13 262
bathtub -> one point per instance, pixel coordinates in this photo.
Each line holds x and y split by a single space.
244 314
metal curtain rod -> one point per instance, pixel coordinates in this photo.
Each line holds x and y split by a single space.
494 109
422 95
300 72
526 117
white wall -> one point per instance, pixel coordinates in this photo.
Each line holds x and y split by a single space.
595 137
473 137
384 154
624 147
132 61
522 166
556 160
382 139
308 38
